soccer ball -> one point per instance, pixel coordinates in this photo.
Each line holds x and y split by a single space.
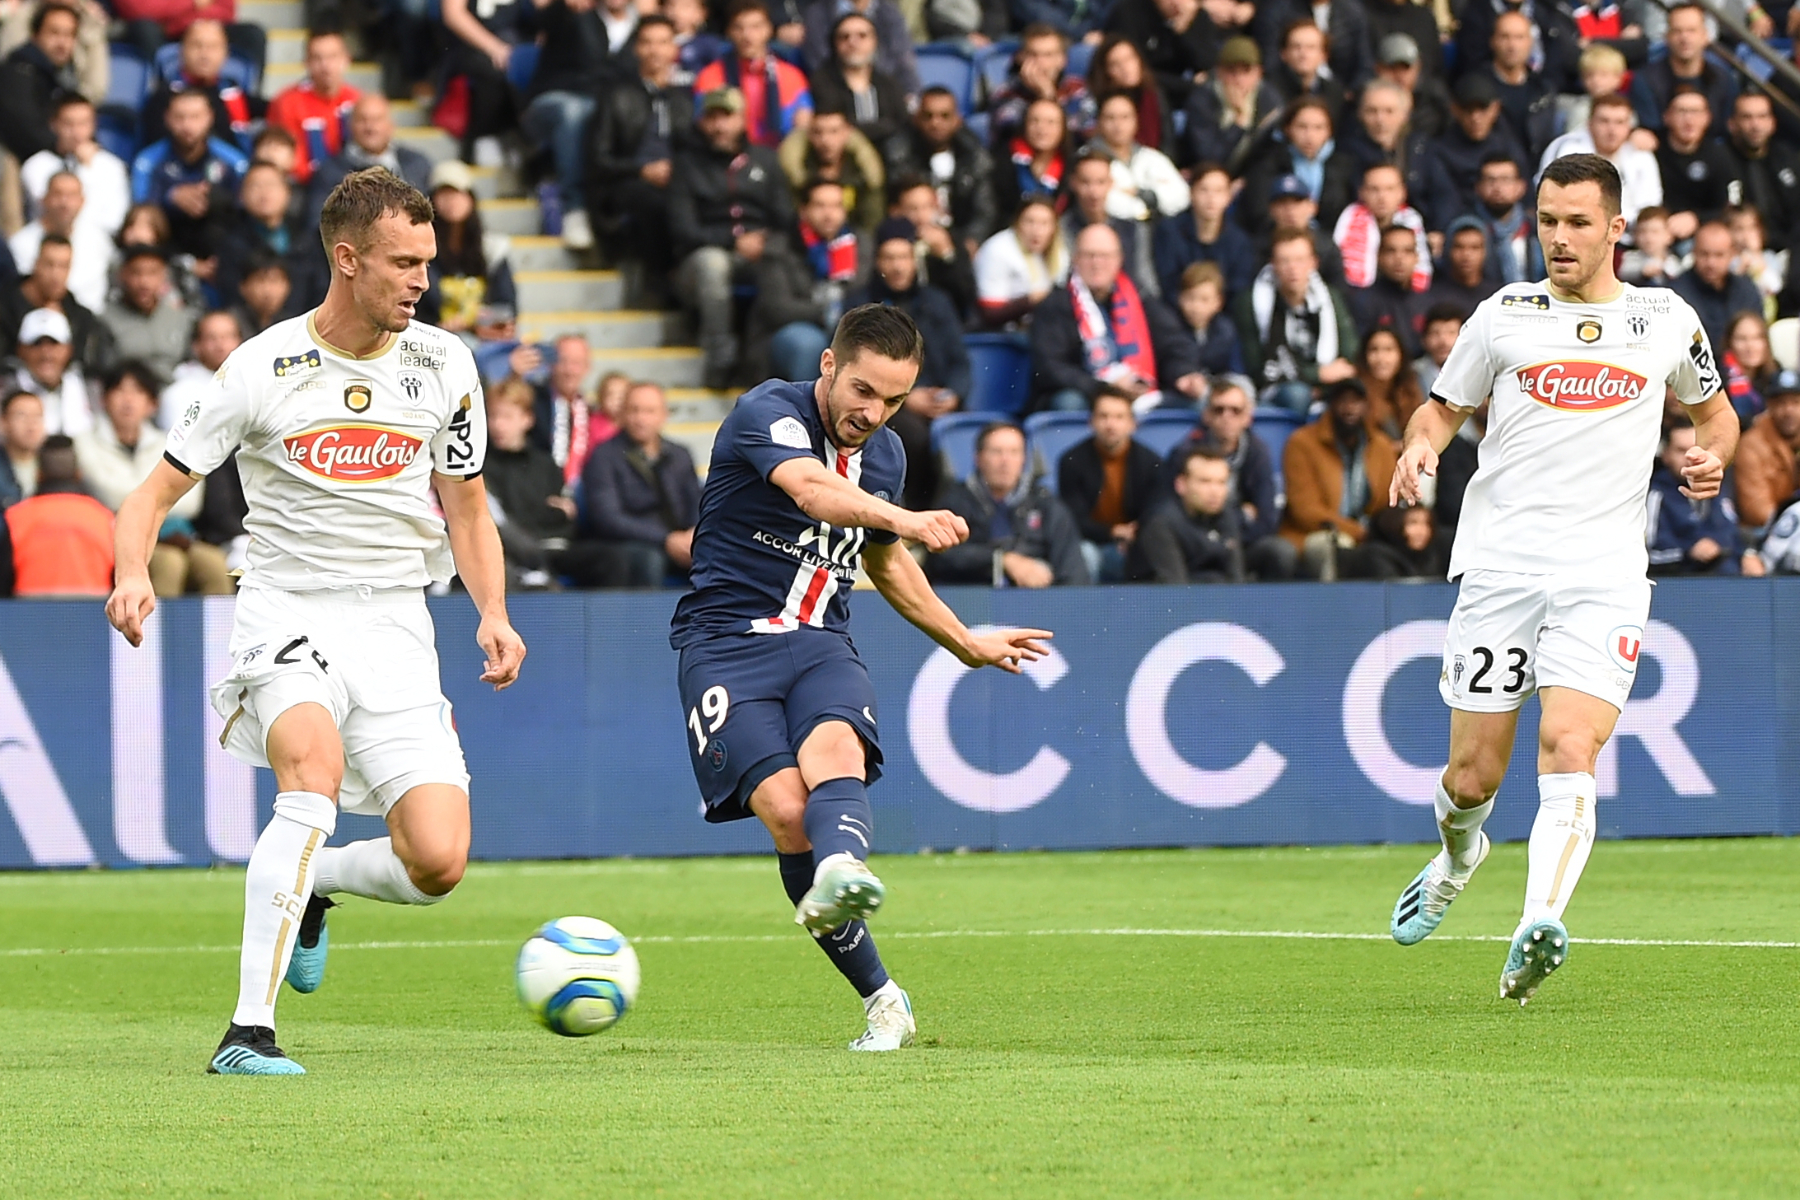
577 975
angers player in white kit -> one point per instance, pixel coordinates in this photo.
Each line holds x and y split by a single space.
344 421
1550 549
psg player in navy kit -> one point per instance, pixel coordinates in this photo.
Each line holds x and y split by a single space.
780 711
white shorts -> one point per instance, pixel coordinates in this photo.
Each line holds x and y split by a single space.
369 657
1513 634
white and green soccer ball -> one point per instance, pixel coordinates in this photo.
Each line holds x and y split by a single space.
578 976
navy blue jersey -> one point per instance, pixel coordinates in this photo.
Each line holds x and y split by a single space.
760 564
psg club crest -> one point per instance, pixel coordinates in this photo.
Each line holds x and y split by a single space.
1588 331
716 754
358 395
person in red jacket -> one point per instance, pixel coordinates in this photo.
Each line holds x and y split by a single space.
60 541
317 109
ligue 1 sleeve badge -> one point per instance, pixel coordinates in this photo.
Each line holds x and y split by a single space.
358 395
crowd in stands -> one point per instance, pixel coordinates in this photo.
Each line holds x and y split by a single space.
1268 213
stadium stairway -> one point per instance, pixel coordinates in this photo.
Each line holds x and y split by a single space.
558 293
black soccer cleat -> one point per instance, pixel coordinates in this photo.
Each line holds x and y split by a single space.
251 1050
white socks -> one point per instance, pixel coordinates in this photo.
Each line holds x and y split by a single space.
1460 828
277 885
1561 838
370 869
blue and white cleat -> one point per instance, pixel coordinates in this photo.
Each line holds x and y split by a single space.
251 1050
844 890
1421 907
1537 950
891 1023
306 970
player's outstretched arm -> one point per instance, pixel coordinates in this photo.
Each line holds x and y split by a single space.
1429 431
1716 431
826 496
898 578
475 545
140 519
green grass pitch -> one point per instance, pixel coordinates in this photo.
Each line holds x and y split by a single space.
1085 1030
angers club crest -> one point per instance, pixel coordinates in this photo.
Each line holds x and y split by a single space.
413 384
1588 331
1638 324
358 395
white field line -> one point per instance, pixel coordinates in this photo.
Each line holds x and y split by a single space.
1287 934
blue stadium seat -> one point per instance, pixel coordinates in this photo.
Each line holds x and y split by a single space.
116 131
523 65
948 67
1162 428
1049 436
1272 427
1081 56
993 63
1001 366
953 440
128 78
979 124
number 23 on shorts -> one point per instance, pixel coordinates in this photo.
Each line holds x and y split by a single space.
1484 659
709 717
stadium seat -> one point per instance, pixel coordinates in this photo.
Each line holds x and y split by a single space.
948 67
953 439
1081 56
993 64
1048 435
116 131
1161 428
523 65
1272 427
979 124
128 79
1001 366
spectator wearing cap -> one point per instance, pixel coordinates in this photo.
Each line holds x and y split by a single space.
944 376
1556 43
833 148
1462 280
105 180
726 199
1303 70
1291 206
35 76
192 175
801 283
1227 114
91 249
46 370
204 57
1202 234
1309 153
1040 72
1698 179
1608 134
944 151
149 325
638 127
1109 481
1195 536
1687 536
1299 332
1337 471
316 110
1390 19
1345 23
1477 132
890 44
776 96
261 225
1099 331
471 290
371 144
21 437
1398 61
1688 40
118 454
1177 40
1384 134
1514 254
1767 468
1019 534
1527 102
59 542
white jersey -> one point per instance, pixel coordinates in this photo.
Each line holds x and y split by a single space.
1573 428
336 453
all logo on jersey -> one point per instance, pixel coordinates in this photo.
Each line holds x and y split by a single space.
1638 324
353 453
1581 386
1539 301
1588 330
287 368
358 395
413 385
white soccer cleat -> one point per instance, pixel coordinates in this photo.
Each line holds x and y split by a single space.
891 1023
844 889
1421 907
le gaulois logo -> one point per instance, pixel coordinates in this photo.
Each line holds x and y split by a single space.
1582 386
353 453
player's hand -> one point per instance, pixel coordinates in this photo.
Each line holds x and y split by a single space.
1705 472
1419 459
130 605
937 530
505 651
1008 649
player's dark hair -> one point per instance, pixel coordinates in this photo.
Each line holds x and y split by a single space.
993 427
134 369
1445 311
880 329
1572 169
362 199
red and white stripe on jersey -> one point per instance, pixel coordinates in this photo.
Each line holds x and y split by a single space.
813 587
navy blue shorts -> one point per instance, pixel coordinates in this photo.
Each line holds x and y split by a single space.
751 699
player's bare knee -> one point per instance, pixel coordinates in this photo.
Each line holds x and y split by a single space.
780 803
1566 751
436 868
833 751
